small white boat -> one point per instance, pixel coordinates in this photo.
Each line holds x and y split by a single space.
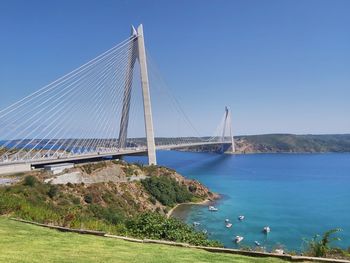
205 231
266 229
238 239
228 225
257 243
196 223
227 220
212 208
240 218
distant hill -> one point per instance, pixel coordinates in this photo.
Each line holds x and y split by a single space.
291 143
284 143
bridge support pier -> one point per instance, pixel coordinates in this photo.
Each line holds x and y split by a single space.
138 51
228 121
231 135
151 147
124 121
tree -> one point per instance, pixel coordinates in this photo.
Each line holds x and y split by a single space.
320 247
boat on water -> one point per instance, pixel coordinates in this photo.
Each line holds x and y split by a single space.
227 220
238 239
240 218
196 223
205 231
257 243
266 229
212 208
228 225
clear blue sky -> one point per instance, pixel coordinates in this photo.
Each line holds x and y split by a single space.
283 66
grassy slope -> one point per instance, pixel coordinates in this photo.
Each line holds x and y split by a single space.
21 242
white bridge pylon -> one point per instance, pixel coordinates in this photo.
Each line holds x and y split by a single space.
138 51
86 114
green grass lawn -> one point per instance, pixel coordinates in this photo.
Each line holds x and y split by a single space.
20 242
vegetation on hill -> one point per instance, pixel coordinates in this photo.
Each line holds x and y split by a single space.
284 143
21 242
166 190
293 143
112 207
156 226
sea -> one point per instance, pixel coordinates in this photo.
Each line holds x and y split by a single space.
297 195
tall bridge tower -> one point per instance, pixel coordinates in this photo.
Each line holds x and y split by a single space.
228 124
138 51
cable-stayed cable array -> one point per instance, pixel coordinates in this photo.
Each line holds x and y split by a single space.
77 113
97 108
184 132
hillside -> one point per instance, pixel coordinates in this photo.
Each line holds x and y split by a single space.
284 143
21 242
112 196
290 143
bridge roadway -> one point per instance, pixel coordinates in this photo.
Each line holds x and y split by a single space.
101 155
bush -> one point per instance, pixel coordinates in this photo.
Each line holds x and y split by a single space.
319 247
52 191
109 214
156 226
75 200
88 198
192 188
167 190
150 170
129 171
152 200
30 181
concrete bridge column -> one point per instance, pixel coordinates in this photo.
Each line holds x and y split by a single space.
124 121
151 147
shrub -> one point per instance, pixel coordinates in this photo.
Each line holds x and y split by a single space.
75 200
88 198
30 180
92 167
153 200
150 170
319 247
167 190
52 191
156 226
109 214
129 171
192 188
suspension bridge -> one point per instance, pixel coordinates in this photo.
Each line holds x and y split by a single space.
86 115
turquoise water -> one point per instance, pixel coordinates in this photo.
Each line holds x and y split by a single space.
297 195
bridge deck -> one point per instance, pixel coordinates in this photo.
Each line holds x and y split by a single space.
97 155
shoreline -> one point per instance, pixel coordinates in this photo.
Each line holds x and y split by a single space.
171 211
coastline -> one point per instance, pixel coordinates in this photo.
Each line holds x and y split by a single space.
204 202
